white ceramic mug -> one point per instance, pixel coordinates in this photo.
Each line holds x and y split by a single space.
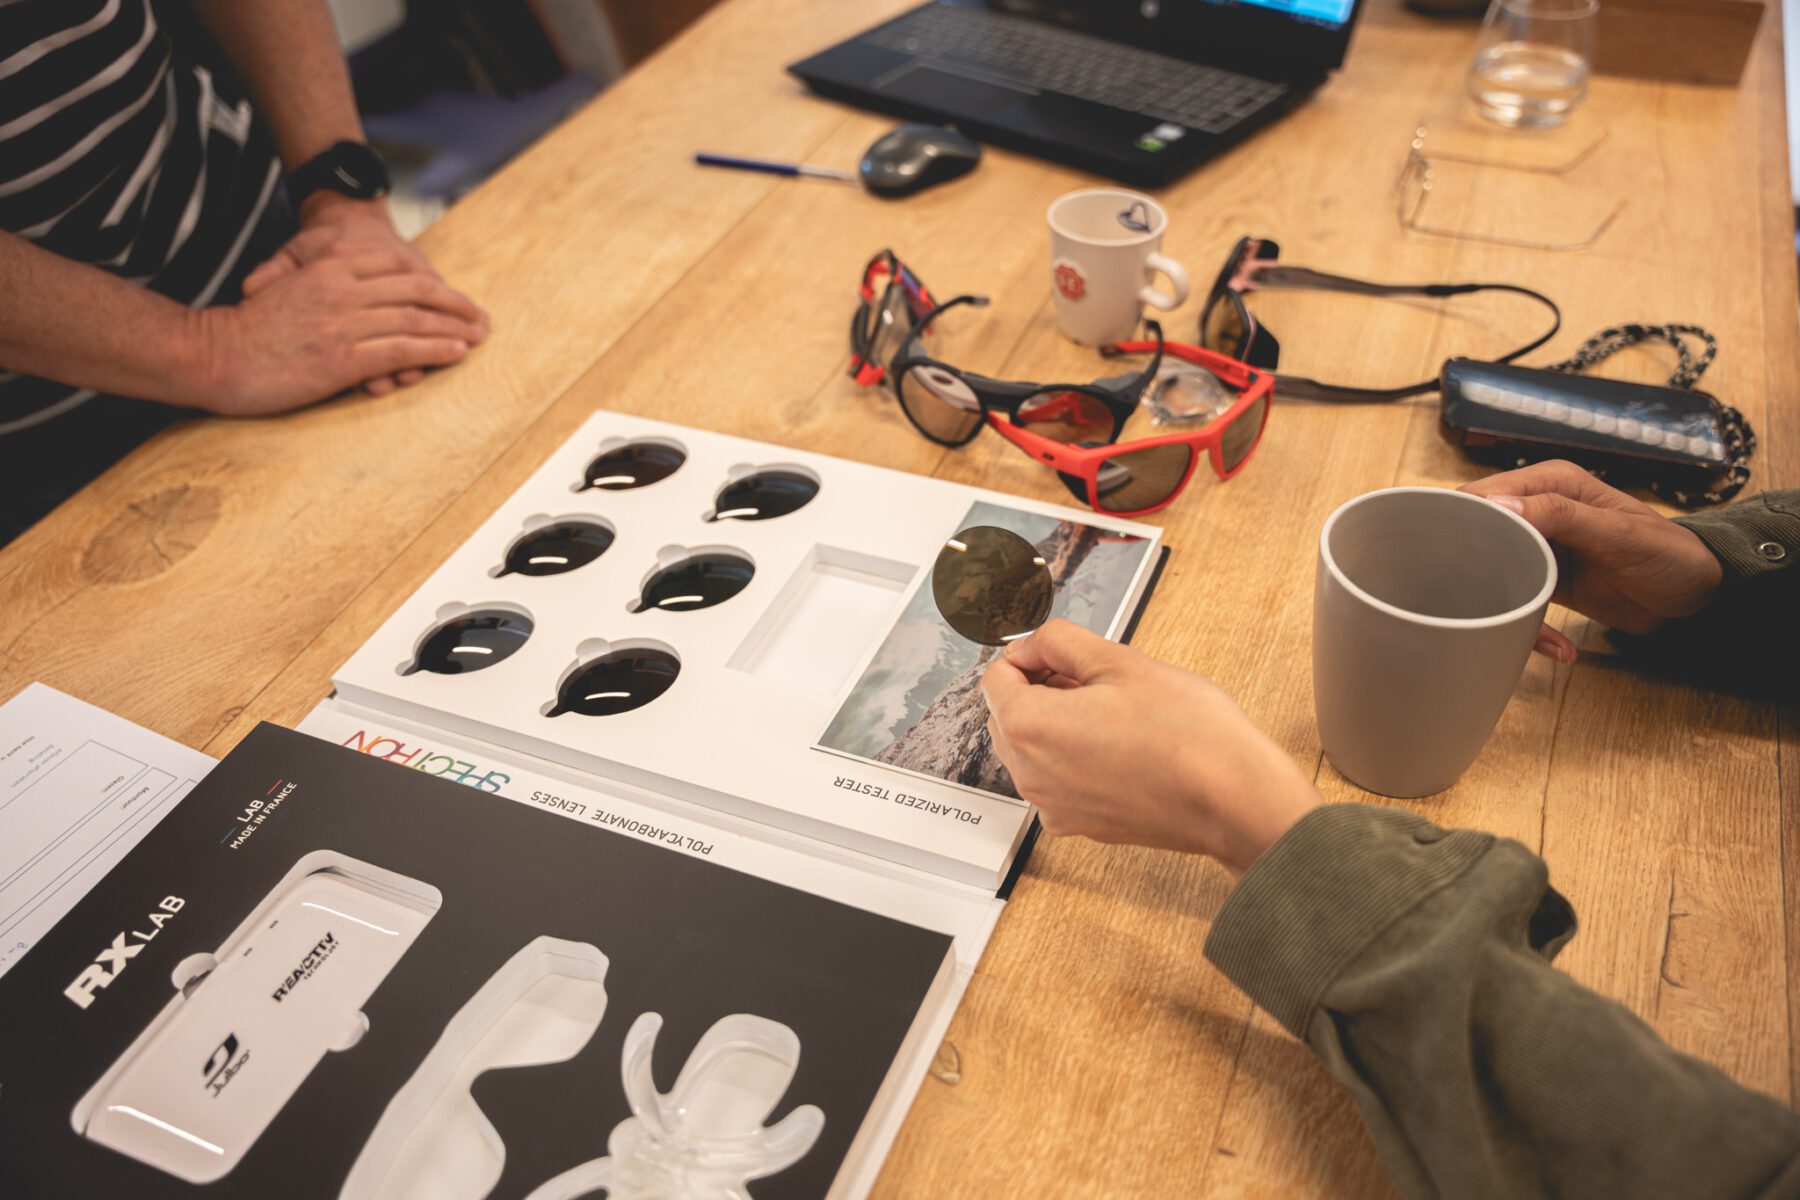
1425 608
1105 251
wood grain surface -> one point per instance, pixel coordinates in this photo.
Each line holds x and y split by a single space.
218 576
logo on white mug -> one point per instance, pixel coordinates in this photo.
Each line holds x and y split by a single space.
1070 283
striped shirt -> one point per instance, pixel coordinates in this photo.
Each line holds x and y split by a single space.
117 151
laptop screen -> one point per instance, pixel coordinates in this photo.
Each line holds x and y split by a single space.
1323 12
1289 38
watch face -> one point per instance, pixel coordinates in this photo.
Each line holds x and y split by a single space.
350 169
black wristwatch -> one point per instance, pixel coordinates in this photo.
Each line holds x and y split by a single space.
351 169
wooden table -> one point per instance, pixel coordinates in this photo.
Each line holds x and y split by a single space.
217 576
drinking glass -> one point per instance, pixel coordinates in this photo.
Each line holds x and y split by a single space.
1531 61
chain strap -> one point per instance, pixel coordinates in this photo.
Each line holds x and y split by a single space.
1740 439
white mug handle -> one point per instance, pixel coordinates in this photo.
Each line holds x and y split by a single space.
1178 283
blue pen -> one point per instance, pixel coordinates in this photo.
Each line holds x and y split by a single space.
773 168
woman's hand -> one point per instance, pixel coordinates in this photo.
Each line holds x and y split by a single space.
1618 561
1111 744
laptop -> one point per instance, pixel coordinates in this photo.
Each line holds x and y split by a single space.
1141 91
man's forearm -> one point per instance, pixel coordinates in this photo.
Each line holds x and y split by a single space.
82 326
288 54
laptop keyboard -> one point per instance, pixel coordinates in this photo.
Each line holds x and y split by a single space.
1024 51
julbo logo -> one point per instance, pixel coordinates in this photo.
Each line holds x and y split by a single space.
216 1061
223 1064
109 964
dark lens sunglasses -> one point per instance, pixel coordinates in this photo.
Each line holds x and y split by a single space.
950 406
1227 326
885 317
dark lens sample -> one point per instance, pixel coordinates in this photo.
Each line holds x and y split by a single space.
1139 479
941 405
557 548
617 682
472 642
698 581
1240 436
762 495
633 465
991 585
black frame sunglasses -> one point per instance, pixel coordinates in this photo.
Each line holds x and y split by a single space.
1228 327
950 406
883 322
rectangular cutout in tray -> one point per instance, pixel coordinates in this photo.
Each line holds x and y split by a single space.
823 623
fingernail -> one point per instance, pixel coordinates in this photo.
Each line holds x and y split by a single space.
1511 503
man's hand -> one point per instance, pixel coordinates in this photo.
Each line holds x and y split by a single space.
334 226
1113 745
326 326
1618 561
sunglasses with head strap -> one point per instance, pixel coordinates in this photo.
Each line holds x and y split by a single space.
1227 326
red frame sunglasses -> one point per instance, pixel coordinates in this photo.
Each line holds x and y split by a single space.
1145 475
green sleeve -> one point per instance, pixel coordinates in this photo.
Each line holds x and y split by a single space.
1416 963
1744 640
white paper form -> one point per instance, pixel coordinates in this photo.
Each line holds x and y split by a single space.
78 788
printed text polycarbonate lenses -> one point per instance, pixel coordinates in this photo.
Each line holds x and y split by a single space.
1138 479
472 642
761 495
1240 436
617 682
940 404
557 548
698 581
991 585
634 465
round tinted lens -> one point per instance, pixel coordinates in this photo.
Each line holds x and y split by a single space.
991 585
699 581
940 404
617 682
1240 436
1139 479
472 642
1064 415
556 548
764 494
634 465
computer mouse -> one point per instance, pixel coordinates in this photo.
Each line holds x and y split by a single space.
914 157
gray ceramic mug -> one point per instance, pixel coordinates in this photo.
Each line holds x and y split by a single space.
1426 606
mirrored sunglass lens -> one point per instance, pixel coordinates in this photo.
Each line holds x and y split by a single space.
1140 479
762 495
472 642
634 465
1240 436
617 682
556 548
1064 415
940 403
892 324
991 585
1221 329
699 581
